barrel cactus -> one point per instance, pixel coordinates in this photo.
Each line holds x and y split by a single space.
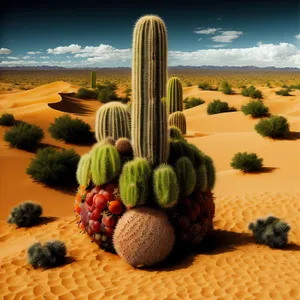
178 119
174 95
83 173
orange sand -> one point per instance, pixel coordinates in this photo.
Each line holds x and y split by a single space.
238 269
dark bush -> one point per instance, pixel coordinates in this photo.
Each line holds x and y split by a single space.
71 130
274 127
270 231
84 93
252 92
24 136
7 120
192 102
204 86
283 92
294 87
106 95
256 109
26 214
247 162
51 254
217 107
54 168
225 88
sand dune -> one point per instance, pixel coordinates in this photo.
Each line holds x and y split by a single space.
238 269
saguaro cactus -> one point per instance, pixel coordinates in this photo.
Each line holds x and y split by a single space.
93 79
174 95
112 119
149 78
178 119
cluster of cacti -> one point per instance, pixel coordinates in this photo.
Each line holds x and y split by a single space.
93 79
270 231
112 120
160 182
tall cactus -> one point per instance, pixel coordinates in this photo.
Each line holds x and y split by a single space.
174 95
93 79
149 78
112 119
178 119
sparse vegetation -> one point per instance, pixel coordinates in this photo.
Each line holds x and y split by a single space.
53 167
226 88
24 136
256 109
192 102
252 92
71 130
7 120
205 86
84 93
294 87
26 214
246 162
217 107
51 254
274 127
283 92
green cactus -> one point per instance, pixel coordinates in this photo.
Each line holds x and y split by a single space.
165 186
93 79
149 77
186 176
112 119
105 164
107 141
83 172
178 148
175 134
201 178
195 155
134 182
174 95
178 119
211 171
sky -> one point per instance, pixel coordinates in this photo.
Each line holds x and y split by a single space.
96 34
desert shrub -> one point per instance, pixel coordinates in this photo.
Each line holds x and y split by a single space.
204 86
70 130
274 127
106 95
283 92
24 136
84 93
252 92
49 255
269 85
217 107
7 119
225 88
26 214
53 167
247 162
294 87
270 231
255 108
192 102
124 100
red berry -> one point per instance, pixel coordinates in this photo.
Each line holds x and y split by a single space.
110 187
96 226
101 192
96 189
108 221
89 198
115 207
90 208
109 230
81 226
100 202
90 231
107 195
96 214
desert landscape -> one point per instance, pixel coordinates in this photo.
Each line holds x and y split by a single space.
237 268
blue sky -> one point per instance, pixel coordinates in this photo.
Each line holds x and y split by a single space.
235 33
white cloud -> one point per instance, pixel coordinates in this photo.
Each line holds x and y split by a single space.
33 52
26 57
218 46
200 39
297 36
207 31
5 51
18 63
44 57
11 57
73 48
227 36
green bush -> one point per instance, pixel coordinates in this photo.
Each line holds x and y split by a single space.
294 87
26 214
192 102
71 130
7 120
225 88
247 162
252 92
274 127
217 107
283 92
204 86
54 168
84 93
51 254
24 136
106 95
256 109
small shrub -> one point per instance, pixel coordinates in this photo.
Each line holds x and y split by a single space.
247 162
26 214
204 86
274 127
84 93
270 231
54 168
283 92
225 88
24 136
294 87
70 130
51 254
7 120
106 95
192 102
252 92
217 107
255 108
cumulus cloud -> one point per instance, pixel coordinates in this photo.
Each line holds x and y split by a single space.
44 57
73 48
207 30
26 57
33 52
19 63
11 57
297 36
218 46
5 51
227 36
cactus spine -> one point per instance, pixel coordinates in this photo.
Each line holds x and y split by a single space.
93 79
105 164
83 173
112 119
175 134
149 78
178 119
174 95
